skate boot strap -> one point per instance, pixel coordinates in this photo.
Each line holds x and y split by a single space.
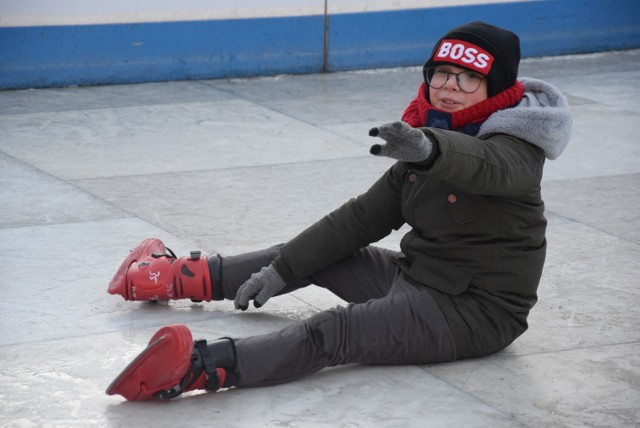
208 363
201 362
170 254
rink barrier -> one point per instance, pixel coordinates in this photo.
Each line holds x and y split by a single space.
64 55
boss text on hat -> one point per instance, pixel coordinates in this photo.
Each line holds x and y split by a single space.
465 54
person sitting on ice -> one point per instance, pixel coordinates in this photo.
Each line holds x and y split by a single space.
470 151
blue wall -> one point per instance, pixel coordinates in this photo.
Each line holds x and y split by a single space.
554 27
47 56
124 53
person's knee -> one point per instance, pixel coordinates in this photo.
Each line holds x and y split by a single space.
327 332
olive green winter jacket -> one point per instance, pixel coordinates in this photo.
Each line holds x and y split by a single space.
477 238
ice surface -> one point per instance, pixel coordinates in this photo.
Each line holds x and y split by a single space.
235 165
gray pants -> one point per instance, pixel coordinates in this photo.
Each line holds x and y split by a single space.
389 320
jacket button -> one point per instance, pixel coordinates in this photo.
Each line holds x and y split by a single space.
412 178
452 198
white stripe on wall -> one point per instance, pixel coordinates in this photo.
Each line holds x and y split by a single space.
32 13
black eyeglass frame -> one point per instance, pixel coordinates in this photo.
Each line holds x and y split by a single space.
428 73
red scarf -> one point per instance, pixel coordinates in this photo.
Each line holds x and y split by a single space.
421 113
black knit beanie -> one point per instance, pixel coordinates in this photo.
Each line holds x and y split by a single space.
483 48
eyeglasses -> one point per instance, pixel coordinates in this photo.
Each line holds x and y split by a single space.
467 81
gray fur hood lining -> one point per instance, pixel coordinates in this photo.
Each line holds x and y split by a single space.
542 118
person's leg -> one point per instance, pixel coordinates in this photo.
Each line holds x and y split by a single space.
367 274
151 271
403 327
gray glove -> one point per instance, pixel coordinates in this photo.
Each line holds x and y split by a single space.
404 143
260 287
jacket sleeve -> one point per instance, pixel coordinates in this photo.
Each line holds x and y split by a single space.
356 224
494 164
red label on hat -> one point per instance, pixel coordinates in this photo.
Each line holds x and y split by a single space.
464 54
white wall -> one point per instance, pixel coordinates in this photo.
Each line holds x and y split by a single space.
19 13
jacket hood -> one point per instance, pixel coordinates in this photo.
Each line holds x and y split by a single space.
542 118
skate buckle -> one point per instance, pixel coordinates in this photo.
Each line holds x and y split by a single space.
168 394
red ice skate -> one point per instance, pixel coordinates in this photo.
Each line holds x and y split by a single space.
170 365
152 272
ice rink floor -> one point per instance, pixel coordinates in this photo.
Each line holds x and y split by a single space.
236 165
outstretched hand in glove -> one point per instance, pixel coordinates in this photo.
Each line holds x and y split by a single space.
403 142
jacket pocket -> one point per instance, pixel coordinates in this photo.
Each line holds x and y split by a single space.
459 204
439 275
